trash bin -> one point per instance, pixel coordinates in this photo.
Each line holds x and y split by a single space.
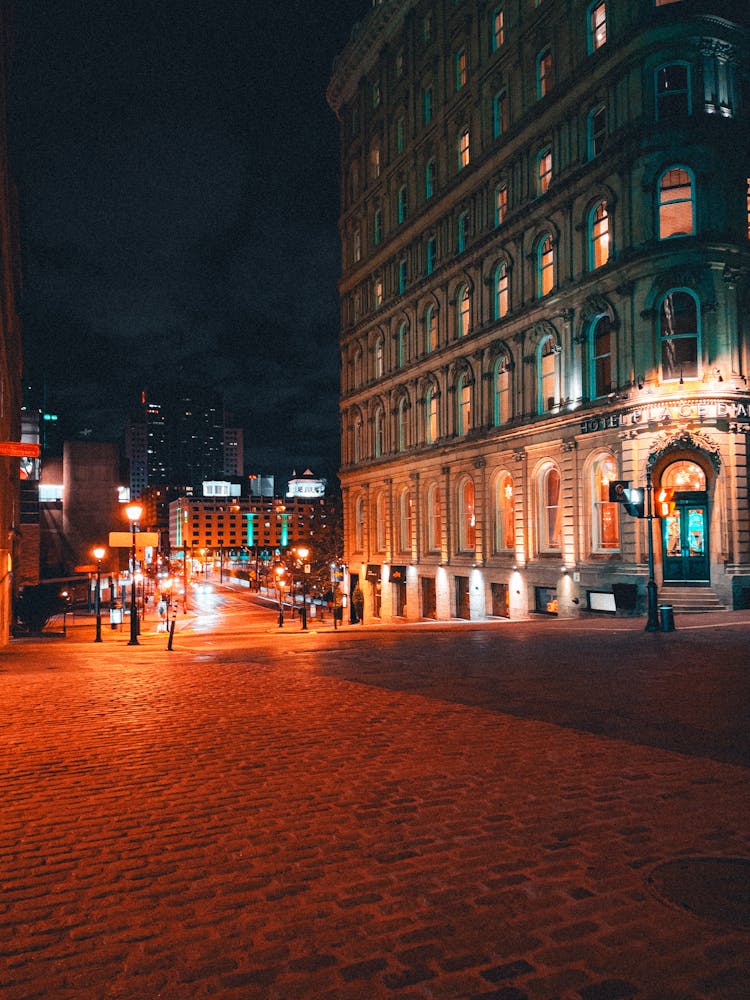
666 617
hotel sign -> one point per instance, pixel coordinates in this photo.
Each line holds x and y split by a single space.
660 412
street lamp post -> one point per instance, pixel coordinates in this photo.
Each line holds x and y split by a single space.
652 624
280 586
133 513
303 552
99 555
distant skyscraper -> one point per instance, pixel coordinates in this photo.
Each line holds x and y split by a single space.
178 437
233 452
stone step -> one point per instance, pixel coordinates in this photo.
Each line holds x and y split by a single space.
691 600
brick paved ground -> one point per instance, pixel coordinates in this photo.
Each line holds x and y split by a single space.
226 821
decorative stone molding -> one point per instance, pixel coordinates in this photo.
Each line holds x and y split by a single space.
682 440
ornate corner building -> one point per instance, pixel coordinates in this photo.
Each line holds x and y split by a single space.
545 230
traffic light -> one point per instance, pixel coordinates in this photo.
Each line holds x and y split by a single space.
665 503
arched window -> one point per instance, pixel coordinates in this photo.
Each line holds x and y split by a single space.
501 291
358 438
404 521
379 356
358 367
377 226
684 475
401 345
401 204
430 177
378 427
359 524
499 113
544 73
380 522
545 266
463 311
605 522
549 510
600 358
501 377
673 97
679 321
430 329
596 130
431 425
434 521
463 149
597 25
430 254
463 404
676 198
598 235
501 203
505 530
402 430
548 374
467 524
497 29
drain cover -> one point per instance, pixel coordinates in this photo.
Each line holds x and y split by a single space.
716 888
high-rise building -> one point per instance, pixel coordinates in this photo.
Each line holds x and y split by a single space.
10 350
178 437
545 215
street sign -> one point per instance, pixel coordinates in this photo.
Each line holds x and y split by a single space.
124 539
20 449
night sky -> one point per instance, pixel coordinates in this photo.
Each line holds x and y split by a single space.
177 167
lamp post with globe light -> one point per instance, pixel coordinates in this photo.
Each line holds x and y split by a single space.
302 553
133 512
98 553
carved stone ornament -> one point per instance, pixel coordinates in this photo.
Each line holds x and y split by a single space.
595 305
682 440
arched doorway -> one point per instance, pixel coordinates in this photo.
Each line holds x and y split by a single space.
685 529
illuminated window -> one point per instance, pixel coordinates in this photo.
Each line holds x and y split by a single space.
605 521
501 203
549 510
375 162
359 524
676 215
462 231
679 320
543 170
673 91
463 149
544 73
596 130
502 395
597 25
357 438
380 509
598 236
684 475
497 29
405 508
505 514
499 113
463 311
467 524
434 520
548 375
378 293
545 266
430 329
463 400
427 105
431 428
430 177
401 204
601 357
460 69
501 291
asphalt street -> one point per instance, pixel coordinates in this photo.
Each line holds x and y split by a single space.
525 811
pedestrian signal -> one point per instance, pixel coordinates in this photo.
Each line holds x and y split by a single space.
665 503
620 491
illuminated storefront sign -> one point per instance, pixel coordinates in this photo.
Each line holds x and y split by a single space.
661 412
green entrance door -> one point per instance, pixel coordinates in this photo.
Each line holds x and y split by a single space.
685 540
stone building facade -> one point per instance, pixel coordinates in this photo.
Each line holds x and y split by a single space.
545 223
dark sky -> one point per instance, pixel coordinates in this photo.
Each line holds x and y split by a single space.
177 167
